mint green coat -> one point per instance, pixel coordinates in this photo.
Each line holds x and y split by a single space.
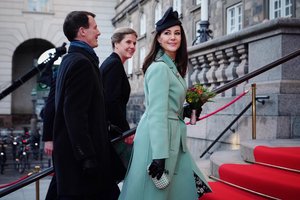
161 133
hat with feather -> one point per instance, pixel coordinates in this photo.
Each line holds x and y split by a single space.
169 19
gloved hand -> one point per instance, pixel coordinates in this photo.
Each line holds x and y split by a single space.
90 175
157 168
89 167
187 111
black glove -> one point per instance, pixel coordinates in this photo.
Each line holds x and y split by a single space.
89 167
187 111
90 175
157 168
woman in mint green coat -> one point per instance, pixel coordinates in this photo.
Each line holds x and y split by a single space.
160 139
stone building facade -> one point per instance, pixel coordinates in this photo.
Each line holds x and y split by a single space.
29 28
246 35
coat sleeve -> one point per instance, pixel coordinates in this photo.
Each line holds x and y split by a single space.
49 113
157 83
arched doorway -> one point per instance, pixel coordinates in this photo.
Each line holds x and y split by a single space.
24 59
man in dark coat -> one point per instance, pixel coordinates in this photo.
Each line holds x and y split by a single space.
82 157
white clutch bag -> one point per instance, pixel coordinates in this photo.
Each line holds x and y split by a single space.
162 183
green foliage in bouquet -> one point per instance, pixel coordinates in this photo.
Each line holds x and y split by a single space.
197 95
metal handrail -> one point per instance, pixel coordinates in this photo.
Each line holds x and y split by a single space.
254 73
36 176
258 99
32 178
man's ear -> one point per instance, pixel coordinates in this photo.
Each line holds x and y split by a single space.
81 32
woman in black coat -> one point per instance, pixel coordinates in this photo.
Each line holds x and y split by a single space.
117 87
82 157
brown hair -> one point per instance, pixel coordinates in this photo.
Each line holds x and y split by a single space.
181 55
74 21
120 33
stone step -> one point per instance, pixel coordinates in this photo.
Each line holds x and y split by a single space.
247 147
245 153
223 157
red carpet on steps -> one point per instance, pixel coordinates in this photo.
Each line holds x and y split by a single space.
225 192
281 156
271 181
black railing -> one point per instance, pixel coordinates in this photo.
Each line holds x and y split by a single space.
258 99
37 176
256 72
30 179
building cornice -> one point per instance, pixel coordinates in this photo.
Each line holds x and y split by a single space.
129 9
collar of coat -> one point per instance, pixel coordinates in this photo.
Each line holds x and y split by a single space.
163 57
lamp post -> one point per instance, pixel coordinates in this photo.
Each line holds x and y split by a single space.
33 121
204 32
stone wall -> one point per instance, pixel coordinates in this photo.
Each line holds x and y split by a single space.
216 62
33 30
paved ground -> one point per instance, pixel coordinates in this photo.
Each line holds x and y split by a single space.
26 193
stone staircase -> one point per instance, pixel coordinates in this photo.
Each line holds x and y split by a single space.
261 169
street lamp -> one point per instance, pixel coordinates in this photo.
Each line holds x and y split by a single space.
204 32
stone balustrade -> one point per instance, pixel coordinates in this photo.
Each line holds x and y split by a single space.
221 60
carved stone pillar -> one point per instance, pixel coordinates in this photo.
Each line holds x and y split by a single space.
211 76
223 63
230 71
202 76
242 68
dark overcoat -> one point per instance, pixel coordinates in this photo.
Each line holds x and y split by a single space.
117 90
116 95
80 127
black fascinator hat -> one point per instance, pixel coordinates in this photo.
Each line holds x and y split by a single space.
169 19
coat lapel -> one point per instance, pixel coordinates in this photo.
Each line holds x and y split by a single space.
170 63
172 66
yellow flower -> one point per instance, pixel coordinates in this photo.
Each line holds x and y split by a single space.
197 95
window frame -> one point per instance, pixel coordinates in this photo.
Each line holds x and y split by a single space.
143 25
281 9
234 22
38 6
177 5
142 55
157 12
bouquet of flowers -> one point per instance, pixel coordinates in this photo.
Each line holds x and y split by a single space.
196 96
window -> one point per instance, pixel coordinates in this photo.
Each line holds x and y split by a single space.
234 18
197 34
131 25
198 2
177 6
142 24
129 65
142 56
280 8
130 60
158 12
38 5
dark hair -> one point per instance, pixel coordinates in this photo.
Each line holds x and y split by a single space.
120 33
181 59
74 21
